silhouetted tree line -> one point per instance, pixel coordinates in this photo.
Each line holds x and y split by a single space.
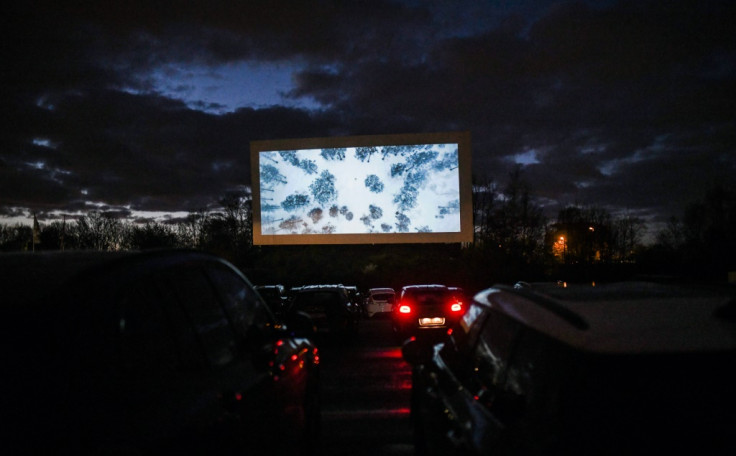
513 241
227 232
699 244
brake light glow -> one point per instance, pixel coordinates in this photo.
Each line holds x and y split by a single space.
404 309
456 307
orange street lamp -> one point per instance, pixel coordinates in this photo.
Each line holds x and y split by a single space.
564 248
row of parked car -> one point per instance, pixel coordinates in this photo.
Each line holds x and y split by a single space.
556 368
416 310
176 352
334 309
374 302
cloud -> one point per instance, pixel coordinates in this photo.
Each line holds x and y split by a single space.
142 151
626 104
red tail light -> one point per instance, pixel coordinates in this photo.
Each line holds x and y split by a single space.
406 306
456 306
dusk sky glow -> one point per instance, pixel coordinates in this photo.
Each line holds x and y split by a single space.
147 109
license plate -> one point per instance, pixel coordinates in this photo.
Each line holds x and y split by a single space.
434 321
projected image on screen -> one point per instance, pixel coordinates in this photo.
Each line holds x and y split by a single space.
360 190
395 188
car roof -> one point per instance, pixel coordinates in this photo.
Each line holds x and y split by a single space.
630 317
424 287
381 290
31 276
26 276
269 287
308 288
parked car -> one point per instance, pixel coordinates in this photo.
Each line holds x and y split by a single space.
166 352
357 299
329 307
275 296
380 302
425 310
633 368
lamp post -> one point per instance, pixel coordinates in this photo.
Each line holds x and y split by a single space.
563 241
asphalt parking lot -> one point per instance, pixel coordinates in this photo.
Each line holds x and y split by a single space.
366 387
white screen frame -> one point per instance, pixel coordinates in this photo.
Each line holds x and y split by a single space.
462 139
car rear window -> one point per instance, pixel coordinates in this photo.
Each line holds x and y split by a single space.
383 297
199 301
240 301
320 301
429 297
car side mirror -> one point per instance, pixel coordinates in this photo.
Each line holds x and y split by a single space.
416 351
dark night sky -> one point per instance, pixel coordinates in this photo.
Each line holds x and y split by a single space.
148 108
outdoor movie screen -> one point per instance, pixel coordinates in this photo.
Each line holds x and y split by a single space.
412 188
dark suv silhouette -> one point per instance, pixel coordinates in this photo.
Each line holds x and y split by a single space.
329 306
276 298
149 353
633 368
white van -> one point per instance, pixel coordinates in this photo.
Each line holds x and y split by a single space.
379 301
